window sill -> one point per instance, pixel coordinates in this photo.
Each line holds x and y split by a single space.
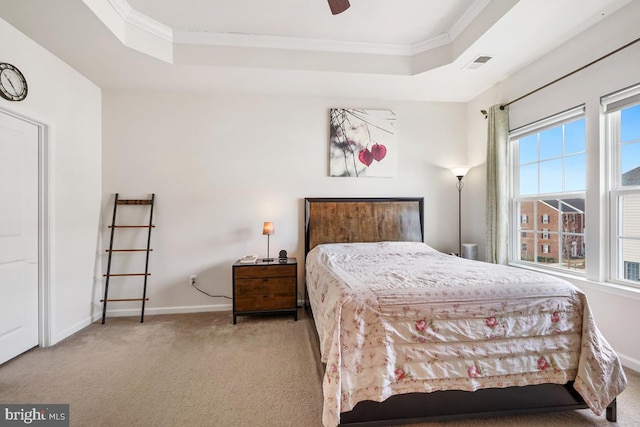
580 280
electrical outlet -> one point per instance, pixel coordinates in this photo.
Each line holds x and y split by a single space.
193 279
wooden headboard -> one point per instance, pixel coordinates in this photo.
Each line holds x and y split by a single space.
345 220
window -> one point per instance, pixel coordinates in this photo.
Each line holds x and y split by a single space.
548 185
632 271
524 219
622 118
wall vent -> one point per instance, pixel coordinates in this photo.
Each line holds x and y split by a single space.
478 62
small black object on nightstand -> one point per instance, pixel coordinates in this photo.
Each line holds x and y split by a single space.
282 257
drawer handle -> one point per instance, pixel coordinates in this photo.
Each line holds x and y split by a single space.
265 296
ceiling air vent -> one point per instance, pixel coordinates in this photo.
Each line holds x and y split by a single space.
478 62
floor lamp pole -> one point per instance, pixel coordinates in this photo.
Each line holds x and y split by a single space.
459 186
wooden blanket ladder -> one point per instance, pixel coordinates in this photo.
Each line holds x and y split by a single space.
122 202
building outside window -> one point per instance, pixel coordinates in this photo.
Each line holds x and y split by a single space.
548 185
622 118
632 271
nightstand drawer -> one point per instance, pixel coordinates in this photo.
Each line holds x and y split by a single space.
265 285
249 272
265 302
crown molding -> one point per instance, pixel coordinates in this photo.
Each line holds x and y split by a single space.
157 29
434 43
289 43
141 21
151 26
163 37
467 18
122 7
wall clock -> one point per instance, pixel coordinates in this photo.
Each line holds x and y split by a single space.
13 85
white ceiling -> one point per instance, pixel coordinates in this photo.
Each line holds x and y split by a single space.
375 21
381 49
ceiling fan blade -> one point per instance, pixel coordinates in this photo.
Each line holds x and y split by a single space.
338 6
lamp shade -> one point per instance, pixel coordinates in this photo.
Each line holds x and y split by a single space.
460 170
267 229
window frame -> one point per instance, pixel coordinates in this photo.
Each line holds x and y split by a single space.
612 105
567 116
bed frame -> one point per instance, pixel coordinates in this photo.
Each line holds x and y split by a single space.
344 220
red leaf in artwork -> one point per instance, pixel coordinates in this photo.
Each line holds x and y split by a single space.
378 151
365 156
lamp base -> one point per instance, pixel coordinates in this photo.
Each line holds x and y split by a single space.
267 259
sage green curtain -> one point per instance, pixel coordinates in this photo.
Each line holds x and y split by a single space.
498 185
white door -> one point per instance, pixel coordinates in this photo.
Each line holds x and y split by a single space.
18 236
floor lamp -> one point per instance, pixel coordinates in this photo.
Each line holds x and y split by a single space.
459 173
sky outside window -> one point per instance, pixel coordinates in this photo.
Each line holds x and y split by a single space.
575 137
630 138
554 160
528 149
630 120
551 143
575 172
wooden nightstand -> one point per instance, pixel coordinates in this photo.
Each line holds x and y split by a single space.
265 288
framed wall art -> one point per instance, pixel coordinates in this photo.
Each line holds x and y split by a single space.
362 143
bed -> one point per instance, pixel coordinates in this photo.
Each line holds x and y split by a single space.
408 334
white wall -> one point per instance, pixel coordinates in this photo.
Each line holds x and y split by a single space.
222 165
70 108
615 309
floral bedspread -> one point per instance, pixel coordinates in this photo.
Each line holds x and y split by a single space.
401 317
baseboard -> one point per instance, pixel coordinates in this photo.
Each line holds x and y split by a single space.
166 310
629 362
57 337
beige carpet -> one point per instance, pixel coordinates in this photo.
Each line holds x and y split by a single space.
199 370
